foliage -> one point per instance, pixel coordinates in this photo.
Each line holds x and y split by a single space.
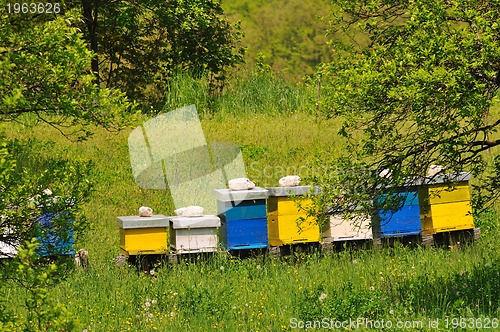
38 187
415 86
140 45
43 313
293 37
44 73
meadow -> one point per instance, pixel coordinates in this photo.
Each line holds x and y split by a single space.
280 132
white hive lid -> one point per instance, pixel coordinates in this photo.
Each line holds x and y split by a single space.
205 221
228 195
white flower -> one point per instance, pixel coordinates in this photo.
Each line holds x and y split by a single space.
150 315
391 312
47 192
355 261
372 288
222 268
258 266
153 301
152 272
172 314
322 297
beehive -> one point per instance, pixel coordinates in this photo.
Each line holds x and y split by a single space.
355 228
194 234
287 223
143 235
56 240
8 250
243 218
445 203
403 222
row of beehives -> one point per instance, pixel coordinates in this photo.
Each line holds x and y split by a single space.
262 218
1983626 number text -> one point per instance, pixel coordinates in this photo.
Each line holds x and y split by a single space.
33 8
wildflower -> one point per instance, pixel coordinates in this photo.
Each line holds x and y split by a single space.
372 288
172 314
391 312
355 261
150 315
153 301
175 293
152 272
322 297
222 268
487 265
47 192
147 304
258 266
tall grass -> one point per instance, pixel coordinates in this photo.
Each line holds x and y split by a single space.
253 93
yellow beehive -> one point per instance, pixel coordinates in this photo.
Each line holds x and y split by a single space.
143 235
445 203
287 224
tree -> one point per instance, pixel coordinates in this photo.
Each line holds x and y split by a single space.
415 86
139 45
44 71
45 77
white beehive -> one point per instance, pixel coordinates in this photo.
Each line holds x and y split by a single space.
194 234
341 229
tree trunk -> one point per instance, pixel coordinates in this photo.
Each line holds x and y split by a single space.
90 9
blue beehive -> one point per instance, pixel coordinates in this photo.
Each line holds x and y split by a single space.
243 218
54 241
403 222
